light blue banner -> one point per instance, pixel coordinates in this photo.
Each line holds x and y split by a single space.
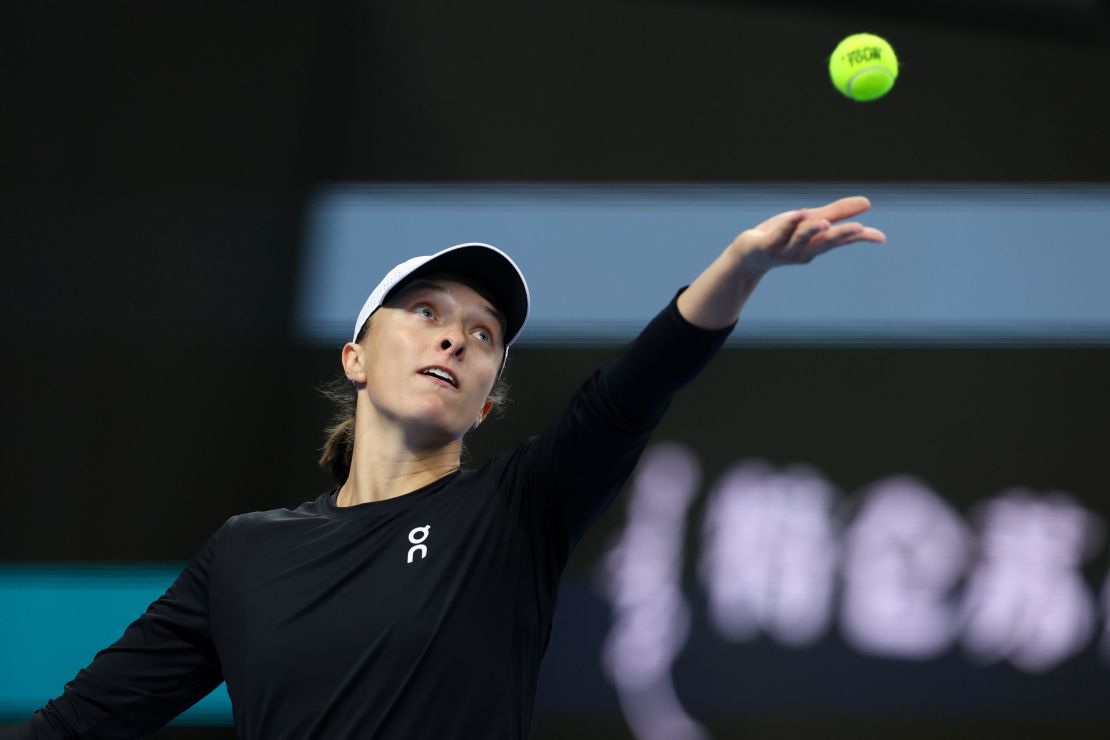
56 618
962 262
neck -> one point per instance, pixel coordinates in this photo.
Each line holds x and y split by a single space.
386 464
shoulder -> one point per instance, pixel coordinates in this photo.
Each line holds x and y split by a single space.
496 467
256 520
505 473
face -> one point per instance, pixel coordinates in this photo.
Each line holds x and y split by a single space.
430 359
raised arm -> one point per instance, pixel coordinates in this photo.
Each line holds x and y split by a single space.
714 300
576 466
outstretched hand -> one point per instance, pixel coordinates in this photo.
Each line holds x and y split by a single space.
714 300
796 237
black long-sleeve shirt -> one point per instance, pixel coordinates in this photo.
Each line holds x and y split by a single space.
424 615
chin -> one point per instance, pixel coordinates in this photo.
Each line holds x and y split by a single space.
436 430
430 424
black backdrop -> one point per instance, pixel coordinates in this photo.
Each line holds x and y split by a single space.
158 160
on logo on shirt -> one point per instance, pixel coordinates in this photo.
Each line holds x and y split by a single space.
417 537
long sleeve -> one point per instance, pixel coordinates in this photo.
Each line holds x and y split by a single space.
576 466
667 355
164 663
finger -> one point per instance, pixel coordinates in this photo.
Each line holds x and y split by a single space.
782 225
842 208
806 232
834 211
871 234
843 234
856 231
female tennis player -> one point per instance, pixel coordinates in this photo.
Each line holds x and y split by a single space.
415 599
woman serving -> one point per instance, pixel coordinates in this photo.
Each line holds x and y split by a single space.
415 598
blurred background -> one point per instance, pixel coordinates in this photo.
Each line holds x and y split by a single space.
881 511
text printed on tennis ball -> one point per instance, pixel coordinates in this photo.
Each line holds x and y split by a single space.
863 67
866 54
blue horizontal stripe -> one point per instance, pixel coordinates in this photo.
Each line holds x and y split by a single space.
1011 262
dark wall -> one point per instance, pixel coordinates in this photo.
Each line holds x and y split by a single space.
728 91
155 176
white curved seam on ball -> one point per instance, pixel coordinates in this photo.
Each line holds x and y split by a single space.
876 68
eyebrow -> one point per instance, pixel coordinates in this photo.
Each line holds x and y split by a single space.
421 283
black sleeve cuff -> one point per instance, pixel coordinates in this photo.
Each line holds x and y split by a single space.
715 337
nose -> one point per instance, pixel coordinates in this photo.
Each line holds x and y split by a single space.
453 340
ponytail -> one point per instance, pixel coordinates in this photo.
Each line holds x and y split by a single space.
339 444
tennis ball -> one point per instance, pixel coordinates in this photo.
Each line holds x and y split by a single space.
863 67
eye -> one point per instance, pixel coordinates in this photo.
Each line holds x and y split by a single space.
425 310
484 336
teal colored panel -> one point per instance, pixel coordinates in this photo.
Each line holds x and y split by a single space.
55 618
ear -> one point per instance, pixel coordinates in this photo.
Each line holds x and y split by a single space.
352 363
486 407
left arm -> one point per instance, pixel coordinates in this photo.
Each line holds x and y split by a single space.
714 300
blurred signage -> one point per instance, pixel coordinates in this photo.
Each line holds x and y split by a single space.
895 570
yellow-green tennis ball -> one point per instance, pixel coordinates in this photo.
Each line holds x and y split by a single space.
863 67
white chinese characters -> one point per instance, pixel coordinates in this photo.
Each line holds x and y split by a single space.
642 578
1026 599
905 552
769 554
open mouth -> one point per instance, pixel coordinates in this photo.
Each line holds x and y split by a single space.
443 374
